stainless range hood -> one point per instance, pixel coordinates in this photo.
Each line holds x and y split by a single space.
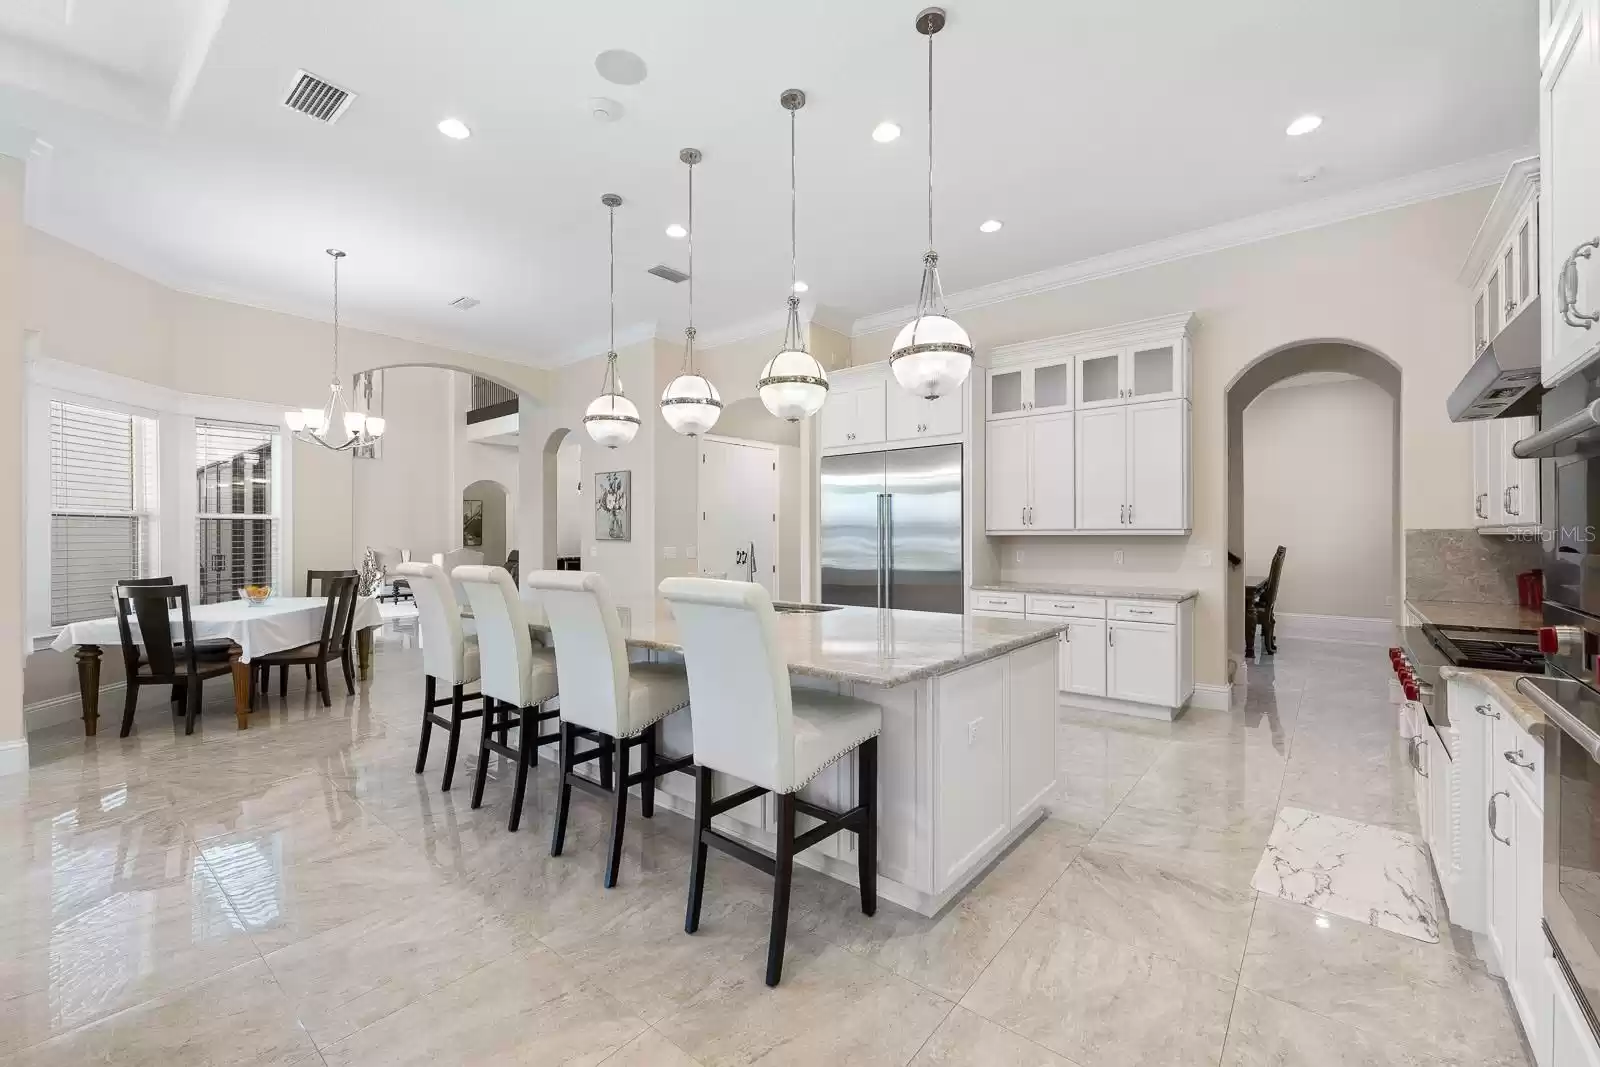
1504 380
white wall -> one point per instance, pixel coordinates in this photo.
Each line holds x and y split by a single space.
574 499
13 636
408 496
1385 281
492 495
1318 479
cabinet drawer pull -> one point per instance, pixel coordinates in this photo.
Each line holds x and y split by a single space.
1140 611
1516 760
1484 710
1568 287
1111 635
1494 816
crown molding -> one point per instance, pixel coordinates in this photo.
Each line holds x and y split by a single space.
1428 185
1144 331
631 334
1521 182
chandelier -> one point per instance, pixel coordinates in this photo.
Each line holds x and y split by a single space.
690 403
793 385
314 424
932 354
612 419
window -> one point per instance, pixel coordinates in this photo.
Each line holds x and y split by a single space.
103 504
238 486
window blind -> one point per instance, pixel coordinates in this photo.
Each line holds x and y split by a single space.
236 482
103 502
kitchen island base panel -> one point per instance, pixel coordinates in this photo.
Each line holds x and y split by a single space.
1159 712
966 767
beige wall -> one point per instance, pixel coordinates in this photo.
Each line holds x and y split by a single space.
407 496
13 488
573 499
1318 479
1385 281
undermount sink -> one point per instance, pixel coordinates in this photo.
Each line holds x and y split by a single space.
803 609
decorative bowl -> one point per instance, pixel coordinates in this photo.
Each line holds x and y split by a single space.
256 594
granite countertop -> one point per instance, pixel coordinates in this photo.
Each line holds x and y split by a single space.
1460 613
872 646
1129 592
1502 686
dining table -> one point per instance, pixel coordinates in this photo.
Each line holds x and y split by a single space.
254 629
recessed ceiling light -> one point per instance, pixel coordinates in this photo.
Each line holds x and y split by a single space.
455 129
676 231
620 67
801 287
990 226
884 132
1303 124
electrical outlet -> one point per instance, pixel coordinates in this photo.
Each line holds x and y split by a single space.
1205 558
669 552
972 731
594 550
688 553
1116 557
1388 601
1019 556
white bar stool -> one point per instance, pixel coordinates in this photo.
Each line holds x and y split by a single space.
749 722
514 676
604 697
449 657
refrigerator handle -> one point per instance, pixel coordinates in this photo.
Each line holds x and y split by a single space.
888 541
881 593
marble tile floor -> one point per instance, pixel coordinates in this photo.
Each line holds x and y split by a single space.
296 895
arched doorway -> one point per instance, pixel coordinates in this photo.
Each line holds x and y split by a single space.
1323 448
563 510
486 520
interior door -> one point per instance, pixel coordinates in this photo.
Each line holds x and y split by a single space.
1157 456
737 535
1050 472
1101 463
850 505
1142 662
923 529
1005 463
1083 658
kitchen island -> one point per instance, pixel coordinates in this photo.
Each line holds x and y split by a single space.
967 756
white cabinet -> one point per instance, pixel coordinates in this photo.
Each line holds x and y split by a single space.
1030 714
1505 489
1572 1042
854 414
1154 370
1133 468
1039 385
1569 157
1083 658
1142 662
1028 474
911 416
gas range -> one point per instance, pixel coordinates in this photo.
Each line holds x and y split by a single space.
1487 648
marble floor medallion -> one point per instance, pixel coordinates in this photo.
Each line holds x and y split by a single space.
1371 874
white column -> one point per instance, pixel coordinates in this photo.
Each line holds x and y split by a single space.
13 468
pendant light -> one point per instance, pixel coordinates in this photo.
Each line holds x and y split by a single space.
313 425
612 419
690 403
932 355
793 385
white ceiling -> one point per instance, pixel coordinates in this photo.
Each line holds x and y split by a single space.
1088 126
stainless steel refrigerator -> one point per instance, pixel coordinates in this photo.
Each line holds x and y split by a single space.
891 529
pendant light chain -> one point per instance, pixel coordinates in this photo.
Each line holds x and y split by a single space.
930 143
793 339
609 386
336 257
689 331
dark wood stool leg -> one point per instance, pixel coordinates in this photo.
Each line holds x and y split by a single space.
605 767
782 876
481 772
1249 632
619 809
527 752
457 697
697 867
647 759
867 836
427 722
283 679
558 833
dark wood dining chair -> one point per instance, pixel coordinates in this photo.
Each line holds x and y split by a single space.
154 658
1262 608
333 644
217 645
316 585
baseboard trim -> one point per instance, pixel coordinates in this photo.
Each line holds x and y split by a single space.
68 707
1348 629
13 756
1118 707
1212 697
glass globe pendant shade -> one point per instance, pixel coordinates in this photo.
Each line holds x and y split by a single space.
375 425
793 385
612 420
296 420
691 404
932 356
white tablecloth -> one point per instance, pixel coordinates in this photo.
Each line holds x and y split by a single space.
281 623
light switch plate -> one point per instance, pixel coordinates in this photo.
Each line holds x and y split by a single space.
1019 555
1116 557
689 553
594 550
669 552
1205 558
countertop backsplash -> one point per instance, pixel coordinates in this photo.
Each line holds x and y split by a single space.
1466 566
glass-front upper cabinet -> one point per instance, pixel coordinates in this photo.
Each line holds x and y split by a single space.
1154 372
1100 379
1040 385
1132 375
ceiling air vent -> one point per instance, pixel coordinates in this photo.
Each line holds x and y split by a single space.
464 303
322 100
671 274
